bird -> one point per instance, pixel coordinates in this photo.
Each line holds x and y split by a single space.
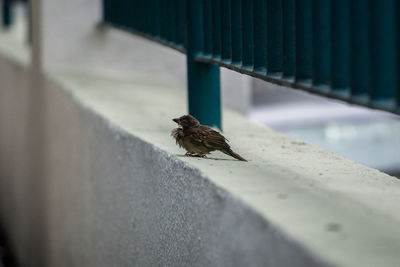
199 140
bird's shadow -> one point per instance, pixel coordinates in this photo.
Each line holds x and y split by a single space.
211 158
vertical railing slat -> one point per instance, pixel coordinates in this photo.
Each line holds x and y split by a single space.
398 56
127 15
137 16
150 9
216 28
107 9
207 24
179 22
383 52
303 40
321 42
247 34
340 72
163 20
260 35
226 39
172 20
147 18
288 38
156 19
360 46
236 28
275 37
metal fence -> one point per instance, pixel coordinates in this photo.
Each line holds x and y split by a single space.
344 49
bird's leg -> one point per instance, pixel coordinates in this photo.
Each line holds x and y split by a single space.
189 154
199 155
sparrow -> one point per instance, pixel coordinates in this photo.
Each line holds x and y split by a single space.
199 140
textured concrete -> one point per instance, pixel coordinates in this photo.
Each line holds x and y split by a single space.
331 206
126 202
16 197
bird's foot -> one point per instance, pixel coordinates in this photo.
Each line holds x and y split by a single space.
195 155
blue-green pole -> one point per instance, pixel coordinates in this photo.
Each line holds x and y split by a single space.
203 78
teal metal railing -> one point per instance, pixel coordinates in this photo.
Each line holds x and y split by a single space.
344 49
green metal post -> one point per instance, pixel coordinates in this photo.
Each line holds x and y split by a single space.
203 78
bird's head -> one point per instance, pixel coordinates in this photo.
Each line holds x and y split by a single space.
187 121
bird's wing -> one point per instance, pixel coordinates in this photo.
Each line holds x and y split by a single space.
209 138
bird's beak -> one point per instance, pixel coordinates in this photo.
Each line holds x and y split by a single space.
176 120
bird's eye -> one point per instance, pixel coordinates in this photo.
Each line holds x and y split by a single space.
184 121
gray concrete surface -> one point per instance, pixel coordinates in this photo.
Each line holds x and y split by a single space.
113 199
323 208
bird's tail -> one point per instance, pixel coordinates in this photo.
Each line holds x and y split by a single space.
229 152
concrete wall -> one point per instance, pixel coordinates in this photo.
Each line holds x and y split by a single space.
89 176
115 200
103 197
18 193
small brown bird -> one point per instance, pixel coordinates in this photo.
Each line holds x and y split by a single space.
199 140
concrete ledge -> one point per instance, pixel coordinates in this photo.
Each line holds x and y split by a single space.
336 210
119 192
